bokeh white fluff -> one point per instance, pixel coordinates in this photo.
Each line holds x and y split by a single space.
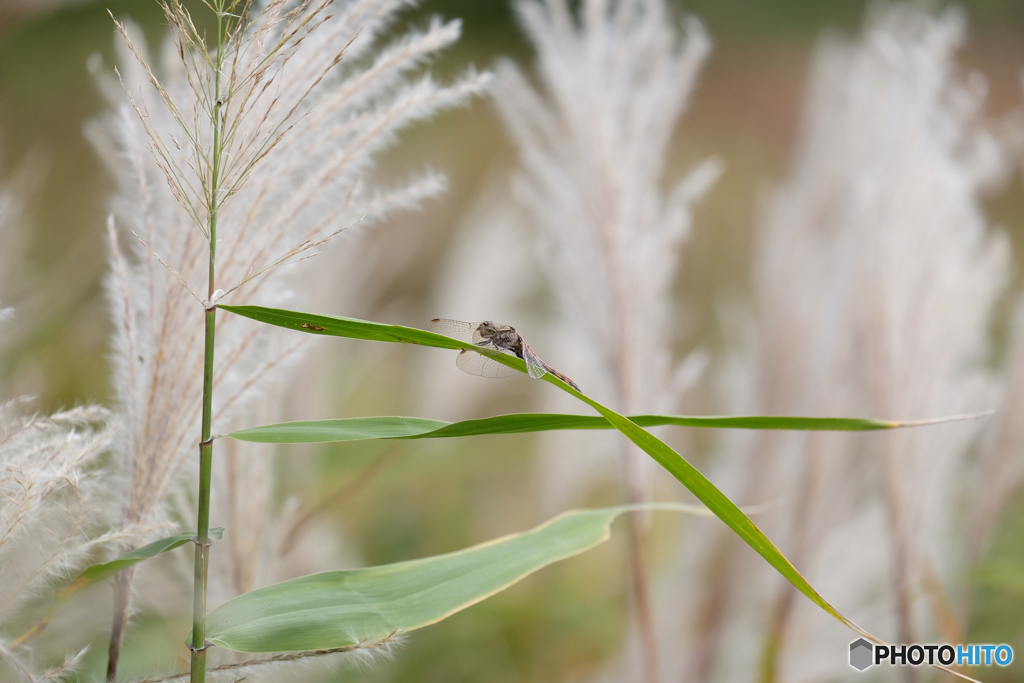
875 278
615 78
304 189
592 144
51 519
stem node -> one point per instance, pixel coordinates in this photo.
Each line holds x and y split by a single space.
206 646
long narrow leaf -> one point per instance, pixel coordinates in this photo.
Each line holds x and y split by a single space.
364 428
337 609
98 572
675 464
338 326
716 501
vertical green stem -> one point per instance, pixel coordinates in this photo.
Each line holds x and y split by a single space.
202 563
198 668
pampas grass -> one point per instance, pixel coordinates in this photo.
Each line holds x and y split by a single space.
298 195
309 96
616 79
875 279
875 273
52 506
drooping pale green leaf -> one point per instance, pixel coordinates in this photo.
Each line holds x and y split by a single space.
362 428
675 464
336 609
98 572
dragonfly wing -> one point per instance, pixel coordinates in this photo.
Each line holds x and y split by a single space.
456 329
538 368
480 365
534 364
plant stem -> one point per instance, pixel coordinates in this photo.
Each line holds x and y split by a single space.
638 572
198 663
122 590
641 602
203 532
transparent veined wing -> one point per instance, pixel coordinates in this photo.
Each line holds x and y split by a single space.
480 365
534 365
456 329
539 368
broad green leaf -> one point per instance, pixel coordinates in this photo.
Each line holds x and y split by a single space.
361 428
675 464
336 609
98 572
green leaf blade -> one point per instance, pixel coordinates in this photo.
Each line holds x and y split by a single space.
343 608
716 501
675 464
388 427
344 429
339 326
98 572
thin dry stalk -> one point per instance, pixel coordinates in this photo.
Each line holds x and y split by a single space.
263 665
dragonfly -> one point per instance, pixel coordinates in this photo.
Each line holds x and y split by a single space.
489 335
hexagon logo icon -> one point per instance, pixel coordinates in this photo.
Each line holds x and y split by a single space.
861 652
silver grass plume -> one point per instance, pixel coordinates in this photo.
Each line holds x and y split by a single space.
314 96
301 192
875 276
592 144
1001 458
52 518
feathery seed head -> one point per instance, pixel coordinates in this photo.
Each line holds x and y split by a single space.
593 148
308 97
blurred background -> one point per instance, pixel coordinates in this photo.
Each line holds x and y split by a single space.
375 503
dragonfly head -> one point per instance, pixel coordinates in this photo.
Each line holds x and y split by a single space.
487 329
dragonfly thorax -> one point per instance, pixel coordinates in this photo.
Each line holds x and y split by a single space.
500 336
